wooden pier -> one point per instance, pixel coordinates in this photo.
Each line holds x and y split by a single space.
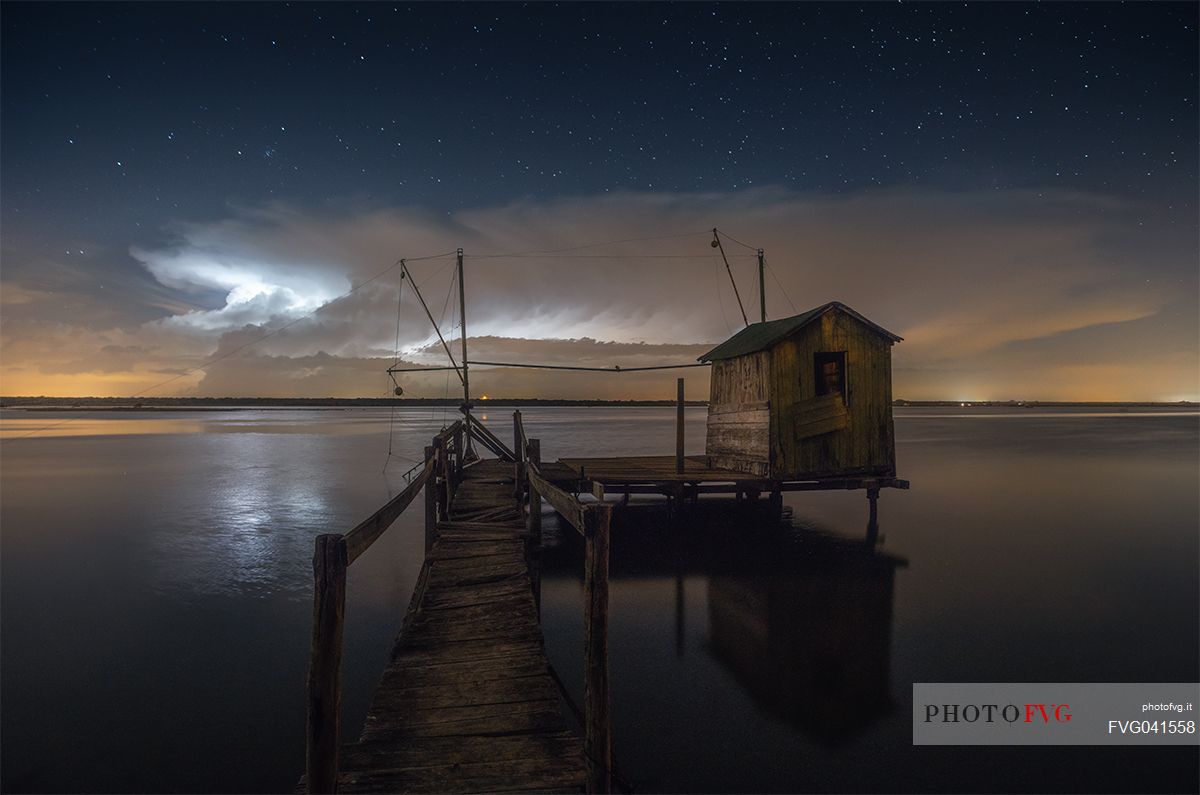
468 701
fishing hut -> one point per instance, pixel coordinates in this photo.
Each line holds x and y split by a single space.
808 396
798 404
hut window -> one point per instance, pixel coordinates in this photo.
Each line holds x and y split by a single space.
830 370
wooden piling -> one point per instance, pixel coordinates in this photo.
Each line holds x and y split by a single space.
457 470
776 504
873 518
325 661
519 449
597 743
442 474
533 523
430 504
679 426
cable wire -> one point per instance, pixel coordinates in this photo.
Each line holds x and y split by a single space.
740 243
244 346
588 245
780 285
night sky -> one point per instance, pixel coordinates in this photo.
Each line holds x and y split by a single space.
1010 187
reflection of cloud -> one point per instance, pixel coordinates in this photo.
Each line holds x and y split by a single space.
970 279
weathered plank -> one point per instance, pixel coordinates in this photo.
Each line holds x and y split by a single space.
566 505
467 702
365 534
324 692
820 415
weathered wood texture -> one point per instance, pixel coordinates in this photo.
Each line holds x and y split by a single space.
325 662
365 534
739 437
679 426
820 415
467 703
805 435
567 506
746 379
867 443
597 742
651 469
738 432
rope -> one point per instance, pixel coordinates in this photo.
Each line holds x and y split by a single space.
717 289
779 284
391 375
729 270
615 369
740 243
588 245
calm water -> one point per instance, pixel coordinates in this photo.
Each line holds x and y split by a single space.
156 585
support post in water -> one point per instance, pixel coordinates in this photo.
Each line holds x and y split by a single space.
873 519
458 459
519 449
430 502
597 740
776 504
325 661
441 474
679 427
533 522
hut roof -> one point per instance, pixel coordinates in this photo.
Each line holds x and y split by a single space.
758 336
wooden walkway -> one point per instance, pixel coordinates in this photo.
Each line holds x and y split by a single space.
467 703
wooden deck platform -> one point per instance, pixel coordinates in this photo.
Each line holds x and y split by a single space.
651 469
660 470
467 703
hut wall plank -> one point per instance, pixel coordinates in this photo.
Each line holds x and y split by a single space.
820 415
739 415
867 442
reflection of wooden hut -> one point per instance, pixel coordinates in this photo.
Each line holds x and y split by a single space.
811 646
802 397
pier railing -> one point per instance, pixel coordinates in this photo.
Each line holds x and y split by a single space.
439 475
592 521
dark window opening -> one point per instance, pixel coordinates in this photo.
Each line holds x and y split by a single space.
830 370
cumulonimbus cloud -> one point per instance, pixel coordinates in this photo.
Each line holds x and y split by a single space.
964 276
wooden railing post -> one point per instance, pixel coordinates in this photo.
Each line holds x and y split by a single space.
679 427
519 448
459 458
325 661
430 503
597 742
442 474
533 522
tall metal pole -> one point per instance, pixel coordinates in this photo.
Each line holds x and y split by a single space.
716 243
462 310
762 289
469 453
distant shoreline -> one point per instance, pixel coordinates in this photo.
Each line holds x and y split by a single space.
234 403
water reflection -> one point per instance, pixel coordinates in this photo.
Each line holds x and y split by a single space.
250 532
792 621
809 636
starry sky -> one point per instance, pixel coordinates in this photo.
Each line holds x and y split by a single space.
1011 187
